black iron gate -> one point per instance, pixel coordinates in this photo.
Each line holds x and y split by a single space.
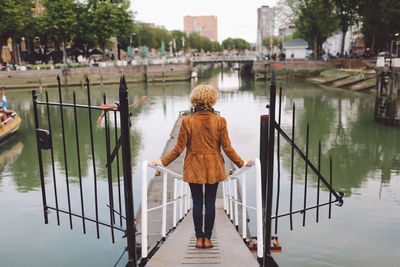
44 136
269 127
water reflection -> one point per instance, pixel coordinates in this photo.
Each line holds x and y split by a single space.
343 122
340 119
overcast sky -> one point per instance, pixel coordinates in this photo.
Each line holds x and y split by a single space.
236 18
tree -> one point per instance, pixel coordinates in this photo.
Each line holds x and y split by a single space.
14 16
315 21
84 39
380 22
347 11
59 21
237 43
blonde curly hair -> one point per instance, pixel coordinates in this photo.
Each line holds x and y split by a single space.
204 95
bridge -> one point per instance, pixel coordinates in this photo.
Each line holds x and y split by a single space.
221 59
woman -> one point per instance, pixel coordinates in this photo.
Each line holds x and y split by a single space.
203 134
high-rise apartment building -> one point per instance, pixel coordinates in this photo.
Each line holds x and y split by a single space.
265 23
204 25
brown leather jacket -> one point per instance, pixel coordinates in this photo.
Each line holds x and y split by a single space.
203 134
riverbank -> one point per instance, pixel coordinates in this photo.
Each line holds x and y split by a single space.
97 76
344 73
349 79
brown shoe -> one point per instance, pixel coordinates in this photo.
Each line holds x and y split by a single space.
199 243
207 243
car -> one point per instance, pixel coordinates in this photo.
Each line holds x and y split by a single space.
383 54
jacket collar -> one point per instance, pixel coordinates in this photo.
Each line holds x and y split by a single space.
203 112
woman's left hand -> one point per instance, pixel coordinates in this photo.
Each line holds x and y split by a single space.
155 162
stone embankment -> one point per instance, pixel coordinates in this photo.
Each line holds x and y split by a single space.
345 73
96 75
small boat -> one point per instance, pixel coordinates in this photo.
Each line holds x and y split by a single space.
10 124
9 121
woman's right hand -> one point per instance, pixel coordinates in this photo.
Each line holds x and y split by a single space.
249 163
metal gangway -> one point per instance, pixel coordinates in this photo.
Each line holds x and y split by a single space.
230 247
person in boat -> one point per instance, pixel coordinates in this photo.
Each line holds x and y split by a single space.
203 133
4 114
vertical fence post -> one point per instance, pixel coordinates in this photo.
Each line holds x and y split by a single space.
175 204
224 196
235 196
144 212
260 236
231 200
164 208
42 184
264 122
244 205
127 171
180 200
268 260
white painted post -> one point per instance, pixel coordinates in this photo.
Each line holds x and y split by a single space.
144 209
260 243
189 198
181 200
235 197
175 195
223 194
185 199
231 200
164 208
244 204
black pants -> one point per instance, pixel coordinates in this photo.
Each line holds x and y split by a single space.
209 201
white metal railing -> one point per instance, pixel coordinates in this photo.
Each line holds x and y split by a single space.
181 202
231 202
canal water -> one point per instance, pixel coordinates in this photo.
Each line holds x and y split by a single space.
366 167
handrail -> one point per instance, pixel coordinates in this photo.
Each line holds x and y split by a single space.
230 189
181 196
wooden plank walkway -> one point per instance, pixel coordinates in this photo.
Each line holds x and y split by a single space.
229 250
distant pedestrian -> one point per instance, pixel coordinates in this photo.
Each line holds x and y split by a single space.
203 134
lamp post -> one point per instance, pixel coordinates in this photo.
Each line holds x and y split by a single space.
391 49
131 47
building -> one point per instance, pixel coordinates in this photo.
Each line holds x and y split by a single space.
295 49
265 24
204 25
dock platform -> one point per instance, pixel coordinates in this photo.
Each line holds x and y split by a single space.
229 249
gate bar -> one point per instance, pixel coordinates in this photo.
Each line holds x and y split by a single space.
319 181
305 175
292 166
278 186
118 174
127 171
93 159
52 157
109 171
79 164
65 150
42 184
270 172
